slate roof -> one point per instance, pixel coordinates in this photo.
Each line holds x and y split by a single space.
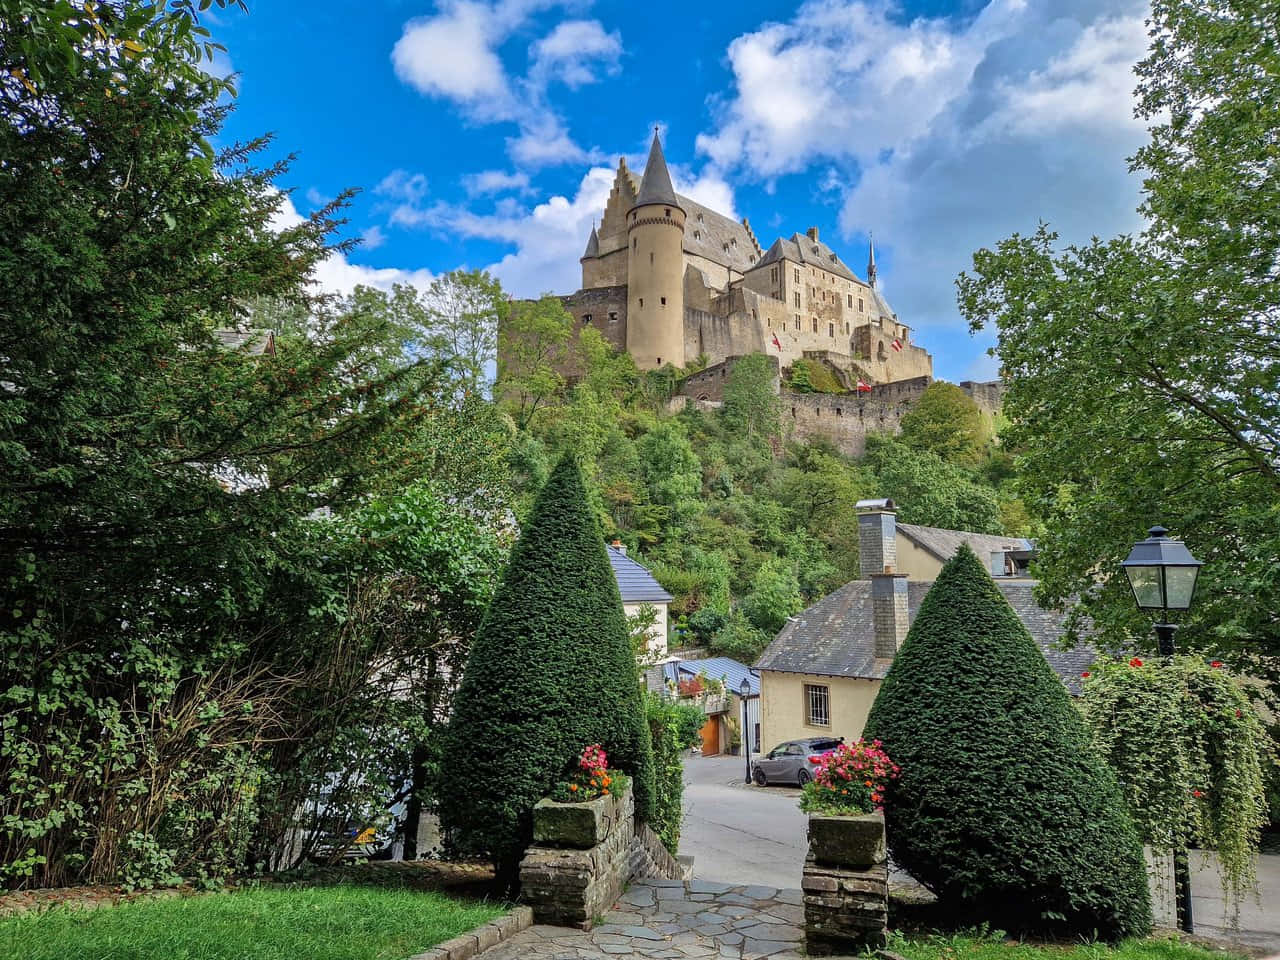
655 185
944 544
717 668
716 237
253 342
836 638
593 245
635 582
814 253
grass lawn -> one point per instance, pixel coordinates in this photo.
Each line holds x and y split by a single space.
268 923
987 948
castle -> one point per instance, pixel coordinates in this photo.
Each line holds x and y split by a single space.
671 281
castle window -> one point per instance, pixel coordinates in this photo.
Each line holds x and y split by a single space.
733 241
838 411
831 330
797 321
797 274
659 361
651 258
753 314
612 315
666 213
797 297
642 301
697 234
851 301
793 411
815 324
699 218
860 310
664 301
586 318
846 326
633 244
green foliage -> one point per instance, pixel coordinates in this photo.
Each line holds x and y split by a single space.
673 727
705 623
740 639
1190 753
981 944
751 406
931 491
531 342
551 670
345 922
1141 370
1002 807
945 421
774 596
800 381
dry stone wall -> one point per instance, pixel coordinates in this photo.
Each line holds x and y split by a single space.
845 885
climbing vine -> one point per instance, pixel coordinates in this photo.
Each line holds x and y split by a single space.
1189 751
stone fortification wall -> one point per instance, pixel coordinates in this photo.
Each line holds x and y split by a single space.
989 396
847 419
708 384
607 309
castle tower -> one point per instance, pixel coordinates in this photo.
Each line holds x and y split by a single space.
655 269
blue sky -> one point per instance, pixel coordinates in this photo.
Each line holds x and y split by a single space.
484 133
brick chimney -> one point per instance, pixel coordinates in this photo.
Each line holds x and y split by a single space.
889 612
877 536
812 234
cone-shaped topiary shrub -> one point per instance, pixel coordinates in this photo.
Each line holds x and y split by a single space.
551 671
1002 807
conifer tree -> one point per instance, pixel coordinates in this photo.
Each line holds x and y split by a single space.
551 671
1003 809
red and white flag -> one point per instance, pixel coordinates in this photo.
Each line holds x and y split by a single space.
897 344
776 343
864 387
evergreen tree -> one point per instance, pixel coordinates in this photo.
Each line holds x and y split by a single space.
1003 809
551 671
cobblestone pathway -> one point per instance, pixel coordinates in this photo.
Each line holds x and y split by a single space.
669 920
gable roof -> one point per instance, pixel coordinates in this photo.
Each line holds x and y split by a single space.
635 582
944 544
836 636
717 668
800 248
717 237
655 185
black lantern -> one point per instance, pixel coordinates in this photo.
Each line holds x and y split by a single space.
1162 572
744 691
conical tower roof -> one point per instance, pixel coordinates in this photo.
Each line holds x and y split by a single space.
656 185
593 245
871 260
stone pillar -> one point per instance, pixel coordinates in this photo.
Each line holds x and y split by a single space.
580 859
846 885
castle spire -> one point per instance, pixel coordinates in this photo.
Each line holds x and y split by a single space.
593 244
656 187
871 259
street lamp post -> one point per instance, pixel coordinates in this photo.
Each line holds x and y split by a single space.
744 691
1162 575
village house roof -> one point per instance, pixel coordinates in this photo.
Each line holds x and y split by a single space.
836 636
944 544
635 582
716 668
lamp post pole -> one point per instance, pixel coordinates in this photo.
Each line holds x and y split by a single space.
1162 574
744 691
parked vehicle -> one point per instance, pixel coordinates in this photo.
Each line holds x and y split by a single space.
792 762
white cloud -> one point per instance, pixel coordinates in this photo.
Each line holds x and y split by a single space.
495 181
570 52
337 274
950 135
372 238
456 54
709 188
316 198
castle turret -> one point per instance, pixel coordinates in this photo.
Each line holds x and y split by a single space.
655 269
591 253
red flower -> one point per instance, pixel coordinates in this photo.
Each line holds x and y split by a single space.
1135 662
1085 674
1216 664
1197 794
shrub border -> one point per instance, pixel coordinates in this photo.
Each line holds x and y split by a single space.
467 945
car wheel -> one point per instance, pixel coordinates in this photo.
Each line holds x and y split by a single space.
804 777
761 780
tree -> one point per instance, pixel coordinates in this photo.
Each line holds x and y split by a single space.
1002 808
464 310
751 404
945 421
931 491
551 671
1141 370
774 596
530 345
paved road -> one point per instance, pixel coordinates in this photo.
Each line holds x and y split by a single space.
739 833
748 834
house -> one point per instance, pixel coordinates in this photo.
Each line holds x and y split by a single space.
822 671
639 590
715 684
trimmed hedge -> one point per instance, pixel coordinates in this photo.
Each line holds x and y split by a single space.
1003 808
551 671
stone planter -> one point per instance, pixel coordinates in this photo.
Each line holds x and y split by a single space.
578 826
846 885
847 841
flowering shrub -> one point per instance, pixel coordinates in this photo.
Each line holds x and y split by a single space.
850 780
590 778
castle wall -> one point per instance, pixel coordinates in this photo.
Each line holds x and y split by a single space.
846 420
604 308
707 385
989 396
873 348
608 270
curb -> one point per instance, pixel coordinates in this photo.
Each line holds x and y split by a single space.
476 941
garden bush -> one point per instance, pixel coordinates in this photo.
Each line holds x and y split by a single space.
673 727
551 669
1002 808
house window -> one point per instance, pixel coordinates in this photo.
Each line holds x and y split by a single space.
797 296
817 705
